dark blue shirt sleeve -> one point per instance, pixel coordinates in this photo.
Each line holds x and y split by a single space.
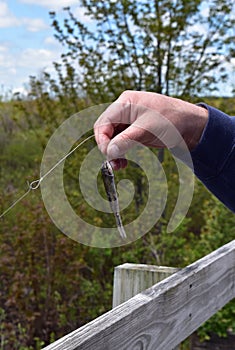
214 156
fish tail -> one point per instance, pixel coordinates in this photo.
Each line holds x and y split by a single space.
120 226
122 232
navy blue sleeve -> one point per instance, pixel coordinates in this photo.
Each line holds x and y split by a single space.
214 157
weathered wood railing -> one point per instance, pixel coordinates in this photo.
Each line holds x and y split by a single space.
165 314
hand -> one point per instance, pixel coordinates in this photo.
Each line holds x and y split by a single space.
151 119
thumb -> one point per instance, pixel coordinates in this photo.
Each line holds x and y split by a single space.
124 141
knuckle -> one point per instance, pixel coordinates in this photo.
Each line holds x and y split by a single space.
126 96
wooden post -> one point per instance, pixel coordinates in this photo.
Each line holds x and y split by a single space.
131 279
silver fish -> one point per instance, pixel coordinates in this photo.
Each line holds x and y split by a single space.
110 188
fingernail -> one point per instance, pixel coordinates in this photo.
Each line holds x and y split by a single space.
113 151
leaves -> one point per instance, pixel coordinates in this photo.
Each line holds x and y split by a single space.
161 46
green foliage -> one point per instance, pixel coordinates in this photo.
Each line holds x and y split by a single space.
50 285
19 336
148 45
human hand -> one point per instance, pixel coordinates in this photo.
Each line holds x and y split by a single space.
151 119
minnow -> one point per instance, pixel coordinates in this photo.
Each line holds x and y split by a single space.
111 191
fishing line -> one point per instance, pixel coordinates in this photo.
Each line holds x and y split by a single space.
34 185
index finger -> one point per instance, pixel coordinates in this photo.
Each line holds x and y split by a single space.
104 128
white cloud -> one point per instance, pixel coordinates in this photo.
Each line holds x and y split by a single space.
6 59
3 9
3 48
52 4
51 41
79 13
7 19
16 69
20 90
198 28
34 24
37 58
205 10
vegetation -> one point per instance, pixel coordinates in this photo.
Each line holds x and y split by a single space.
51 285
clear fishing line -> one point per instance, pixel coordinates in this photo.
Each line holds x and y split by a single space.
34 185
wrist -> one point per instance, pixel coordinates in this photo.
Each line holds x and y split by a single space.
198 120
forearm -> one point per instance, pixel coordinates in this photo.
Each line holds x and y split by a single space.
214 156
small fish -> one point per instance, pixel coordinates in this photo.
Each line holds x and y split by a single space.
110 188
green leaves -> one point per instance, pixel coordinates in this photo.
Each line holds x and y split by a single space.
174 41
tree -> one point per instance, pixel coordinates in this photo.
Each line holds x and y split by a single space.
171 47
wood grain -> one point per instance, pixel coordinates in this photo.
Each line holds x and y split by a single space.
164 315
131 279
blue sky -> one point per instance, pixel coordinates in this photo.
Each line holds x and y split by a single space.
27 45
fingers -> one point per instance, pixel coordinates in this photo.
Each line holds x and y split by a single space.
124 141
150 119
121 126
116 115
130 120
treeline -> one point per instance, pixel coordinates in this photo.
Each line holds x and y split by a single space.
51 285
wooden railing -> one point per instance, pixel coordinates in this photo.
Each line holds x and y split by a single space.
162 316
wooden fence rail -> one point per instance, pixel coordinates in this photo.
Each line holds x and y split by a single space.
165 314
